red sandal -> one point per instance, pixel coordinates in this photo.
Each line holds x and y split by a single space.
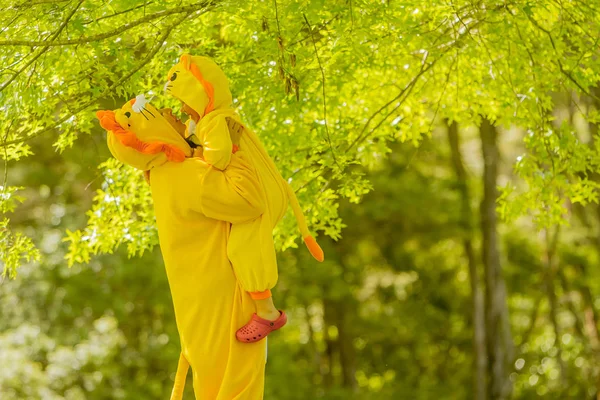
258 328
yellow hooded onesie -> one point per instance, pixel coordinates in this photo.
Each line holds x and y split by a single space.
202 85
195 206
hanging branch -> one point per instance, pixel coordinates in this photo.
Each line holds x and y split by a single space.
87 39
37 2
5 180
558 57
39 54
405 92
118 13
108 90
324 91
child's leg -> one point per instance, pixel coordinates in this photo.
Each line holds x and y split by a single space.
265 308
266 320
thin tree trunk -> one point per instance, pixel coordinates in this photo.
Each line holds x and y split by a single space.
579 323
533 318
346 346
550 272
591 317
312 345
591 327
330 344
336 314
346 338
477 305
499 339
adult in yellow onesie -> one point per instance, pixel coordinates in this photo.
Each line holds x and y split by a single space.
203 88
195 206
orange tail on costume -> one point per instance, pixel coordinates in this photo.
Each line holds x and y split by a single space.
179 385
309 240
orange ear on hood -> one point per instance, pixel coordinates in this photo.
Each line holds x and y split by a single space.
107 119
186 60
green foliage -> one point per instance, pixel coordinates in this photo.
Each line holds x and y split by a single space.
14 249
8 199
325 84
348 98
122 214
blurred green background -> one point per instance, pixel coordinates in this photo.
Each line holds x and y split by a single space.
387 316
449 147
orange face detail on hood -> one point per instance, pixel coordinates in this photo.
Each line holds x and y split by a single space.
138 135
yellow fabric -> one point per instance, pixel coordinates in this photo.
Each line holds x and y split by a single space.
250 246
149 126
195 205
179 385
186 87
213 134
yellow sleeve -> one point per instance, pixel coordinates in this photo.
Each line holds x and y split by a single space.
233 195
217 143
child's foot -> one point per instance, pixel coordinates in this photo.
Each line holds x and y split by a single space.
258 328
270 315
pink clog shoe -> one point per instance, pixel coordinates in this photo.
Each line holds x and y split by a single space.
258 328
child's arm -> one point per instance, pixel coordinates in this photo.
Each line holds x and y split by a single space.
216 143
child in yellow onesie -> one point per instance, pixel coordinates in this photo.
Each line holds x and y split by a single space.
204 90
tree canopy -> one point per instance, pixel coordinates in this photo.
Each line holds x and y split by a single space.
327 84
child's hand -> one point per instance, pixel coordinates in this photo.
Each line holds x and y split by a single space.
198 152
147 176
235 130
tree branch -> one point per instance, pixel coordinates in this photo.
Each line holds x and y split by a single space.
118 13
558 62
409 87
324 92
533 317
37 2
5 181
105 35
439 102
107 91
59 30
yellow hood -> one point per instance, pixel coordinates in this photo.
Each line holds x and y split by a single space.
200 83
139 136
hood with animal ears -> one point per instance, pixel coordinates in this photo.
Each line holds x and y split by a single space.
200 83
139 136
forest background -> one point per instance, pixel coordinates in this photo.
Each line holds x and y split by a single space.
446 153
